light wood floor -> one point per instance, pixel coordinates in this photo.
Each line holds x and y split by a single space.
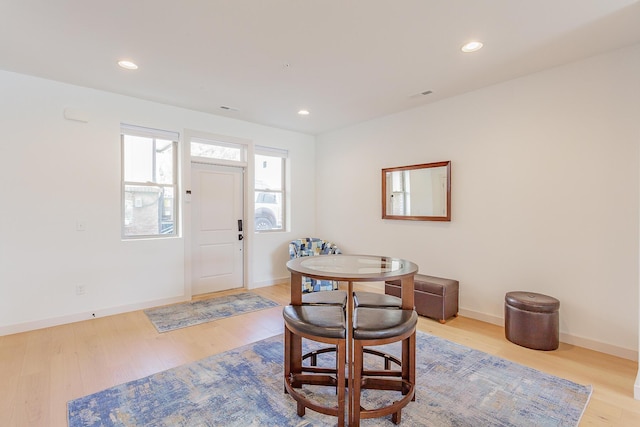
41 370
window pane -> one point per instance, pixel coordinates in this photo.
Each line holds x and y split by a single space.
148 210
212 151
268 172
164 162
268 214
138 159
148 160
167 219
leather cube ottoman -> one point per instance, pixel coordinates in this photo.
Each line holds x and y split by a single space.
532 320
434 297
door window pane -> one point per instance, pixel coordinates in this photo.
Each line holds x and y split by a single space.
217 150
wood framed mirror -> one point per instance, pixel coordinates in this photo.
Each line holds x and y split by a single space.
417 192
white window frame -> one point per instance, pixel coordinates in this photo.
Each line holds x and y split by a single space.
284 155
139 131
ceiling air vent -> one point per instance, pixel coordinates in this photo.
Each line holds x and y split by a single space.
419 94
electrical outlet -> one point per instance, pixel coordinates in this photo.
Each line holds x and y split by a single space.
80 290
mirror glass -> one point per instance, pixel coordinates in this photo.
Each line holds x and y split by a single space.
417 192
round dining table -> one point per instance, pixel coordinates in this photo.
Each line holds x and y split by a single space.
353 269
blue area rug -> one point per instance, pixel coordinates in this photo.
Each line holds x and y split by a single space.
456 386
176 316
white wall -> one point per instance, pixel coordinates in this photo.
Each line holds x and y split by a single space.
55 172
545 194
545 198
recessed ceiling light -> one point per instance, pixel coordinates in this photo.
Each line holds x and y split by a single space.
303 112
128 65
472 46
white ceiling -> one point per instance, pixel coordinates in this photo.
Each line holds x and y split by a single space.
346 61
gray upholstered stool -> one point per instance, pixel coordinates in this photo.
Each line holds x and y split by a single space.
322 323
435 297
532 320
379 326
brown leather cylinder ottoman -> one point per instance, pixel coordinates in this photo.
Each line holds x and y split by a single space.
532 320
434 297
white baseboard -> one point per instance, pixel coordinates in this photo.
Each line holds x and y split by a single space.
78 317
625 353
494 320
86 315
55 321
266 283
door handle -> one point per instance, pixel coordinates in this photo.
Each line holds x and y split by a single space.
240 225
240 237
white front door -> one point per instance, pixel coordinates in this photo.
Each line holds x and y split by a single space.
216 212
